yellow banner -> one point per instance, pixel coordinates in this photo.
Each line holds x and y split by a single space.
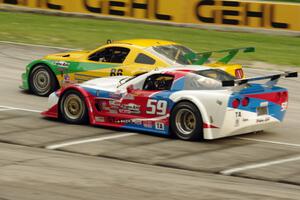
268 15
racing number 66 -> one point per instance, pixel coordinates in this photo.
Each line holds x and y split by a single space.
116 72
158 107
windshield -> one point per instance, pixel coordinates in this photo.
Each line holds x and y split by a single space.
174 52
215 74
126 79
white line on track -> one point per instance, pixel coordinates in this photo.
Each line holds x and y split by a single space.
5 109
258 165
22 109
269 141
82 141
37 45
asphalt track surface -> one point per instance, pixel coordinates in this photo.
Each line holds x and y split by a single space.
46 159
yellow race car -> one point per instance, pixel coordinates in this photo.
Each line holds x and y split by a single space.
126 57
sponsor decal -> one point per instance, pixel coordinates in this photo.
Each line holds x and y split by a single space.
115 106
237 122
130 108
238 116
61 63
129 97
270 15
129 121
112 111
67 78
115 95
99 119
264 104
104 106
262 120
159 126
147 124
114 103
97 93
123 121
239 13
138 122
245 119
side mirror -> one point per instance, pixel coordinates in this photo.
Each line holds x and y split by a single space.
129 88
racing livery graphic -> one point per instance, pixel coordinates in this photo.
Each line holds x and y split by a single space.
190 102
127 57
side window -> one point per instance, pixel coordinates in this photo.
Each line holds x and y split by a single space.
158 82
144 59
110 55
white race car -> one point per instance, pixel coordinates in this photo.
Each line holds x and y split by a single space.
191 102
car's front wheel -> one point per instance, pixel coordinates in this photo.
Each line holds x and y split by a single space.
186 121
73 108
42 81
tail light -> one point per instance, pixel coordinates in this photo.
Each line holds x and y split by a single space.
235 103
245 101
284 96
281 96
239 73
278 97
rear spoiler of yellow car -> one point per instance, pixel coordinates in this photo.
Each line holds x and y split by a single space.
201 58
273 79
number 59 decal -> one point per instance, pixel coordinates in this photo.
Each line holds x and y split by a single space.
158 107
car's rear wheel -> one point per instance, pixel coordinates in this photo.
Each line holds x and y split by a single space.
186 121
42 81
73 108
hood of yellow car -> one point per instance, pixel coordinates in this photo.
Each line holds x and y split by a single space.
72 56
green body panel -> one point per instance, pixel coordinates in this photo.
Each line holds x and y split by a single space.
57 69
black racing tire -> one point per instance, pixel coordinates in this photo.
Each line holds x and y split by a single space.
186 121
73 108
42 81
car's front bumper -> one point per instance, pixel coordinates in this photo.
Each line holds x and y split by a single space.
25 85
53 106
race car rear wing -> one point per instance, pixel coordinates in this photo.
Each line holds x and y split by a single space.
273 79
201 58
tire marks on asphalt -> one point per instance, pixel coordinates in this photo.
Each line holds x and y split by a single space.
112 136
